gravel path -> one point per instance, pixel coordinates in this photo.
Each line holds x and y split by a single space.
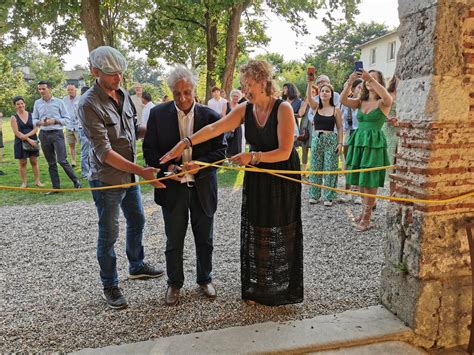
51 294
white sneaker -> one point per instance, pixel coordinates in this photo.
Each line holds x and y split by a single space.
343 199
313 201
328 203
357 200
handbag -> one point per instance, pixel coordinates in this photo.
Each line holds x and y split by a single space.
28 147
303 137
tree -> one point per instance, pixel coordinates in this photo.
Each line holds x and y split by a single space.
337 50
221 30
188 31
11 84
63 22
141 71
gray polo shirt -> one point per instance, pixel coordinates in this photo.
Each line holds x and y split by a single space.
108 127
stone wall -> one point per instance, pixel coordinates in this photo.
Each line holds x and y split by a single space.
426 277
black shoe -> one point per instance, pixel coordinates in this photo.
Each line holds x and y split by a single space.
114 298
2 173
77 184
147 272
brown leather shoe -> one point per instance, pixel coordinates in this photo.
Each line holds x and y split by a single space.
172 296
209 290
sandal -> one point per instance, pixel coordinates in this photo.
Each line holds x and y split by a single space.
39 184
364 223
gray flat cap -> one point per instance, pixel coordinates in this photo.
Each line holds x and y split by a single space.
108 60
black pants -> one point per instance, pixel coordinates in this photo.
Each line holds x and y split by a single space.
176 225
54 150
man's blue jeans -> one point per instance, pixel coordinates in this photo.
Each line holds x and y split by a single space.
85 146
109 203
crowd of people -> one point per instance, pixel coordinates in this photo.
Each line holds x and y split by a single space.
356 129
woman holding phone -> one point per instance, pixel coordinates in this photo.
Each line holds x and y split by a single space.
367 146
326 145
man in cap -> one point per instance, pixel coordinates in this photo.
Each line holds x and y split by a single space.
108 119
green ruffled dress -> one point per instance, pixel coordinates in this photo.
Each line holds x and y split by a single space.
368 149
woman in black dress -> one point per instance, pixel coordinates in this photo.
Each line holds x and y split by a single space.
22 126
271 229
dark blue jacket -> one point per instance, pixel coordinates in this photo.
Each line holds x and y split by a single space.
163 134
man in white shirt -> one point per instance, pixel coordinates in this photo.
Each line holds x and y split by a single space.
147 106
71 100
217 103
192 196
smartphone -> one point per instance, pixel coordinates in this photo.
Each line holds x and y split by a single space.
359 66
311 71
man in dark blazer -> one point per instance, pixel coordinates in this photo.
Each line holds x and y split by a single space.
194 193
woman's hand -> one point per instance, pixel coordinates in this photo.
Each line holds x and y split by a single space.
241 158
174 153
339 149
353 77
32 142
366 76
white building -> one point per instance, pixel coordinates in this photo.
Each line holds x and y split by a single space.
381 53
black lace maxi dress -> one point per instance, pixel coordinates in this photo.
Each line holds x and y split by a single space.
271 229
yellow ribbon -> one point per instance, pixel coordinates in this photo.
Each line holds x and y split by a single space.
254 169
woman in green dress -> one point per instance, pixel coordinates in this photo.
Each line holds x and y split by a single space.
368 146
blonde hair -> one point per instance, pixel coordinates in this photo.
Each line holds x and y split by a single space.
260 70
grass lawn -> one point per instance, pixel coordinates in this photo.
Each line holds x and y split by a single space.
9 165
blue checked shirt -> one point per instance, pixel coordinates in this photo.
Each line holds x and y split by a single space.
54 108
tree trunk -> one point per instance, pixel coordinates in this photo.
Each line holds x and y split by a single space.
90 18
231 45
211 41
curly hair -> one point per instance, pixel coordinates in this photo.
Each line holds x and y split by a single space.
259 70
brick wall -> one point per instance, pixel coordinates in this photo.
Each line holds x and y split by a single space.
435 107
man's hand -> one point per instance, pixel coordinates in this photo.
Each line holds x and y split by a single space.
46 122
191 166
150 174
172 170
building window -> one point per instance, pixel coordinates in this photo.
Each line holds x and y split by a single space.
373 56
392 46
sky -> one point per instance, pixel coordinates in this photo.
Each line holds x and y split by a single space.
283 40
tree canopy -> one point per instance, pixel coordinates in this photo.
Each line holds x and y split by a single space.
209 34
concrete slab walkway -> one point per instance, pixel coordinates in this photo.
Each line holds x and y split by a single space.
351 328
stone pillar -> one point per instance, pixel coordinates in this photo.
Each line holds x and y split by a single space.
426 275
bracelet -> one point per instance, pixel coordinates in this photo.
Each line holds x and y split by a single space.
256 157
186 142
252 158
190 141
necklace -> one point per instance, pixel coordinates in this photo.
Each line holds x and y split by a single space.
262 122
